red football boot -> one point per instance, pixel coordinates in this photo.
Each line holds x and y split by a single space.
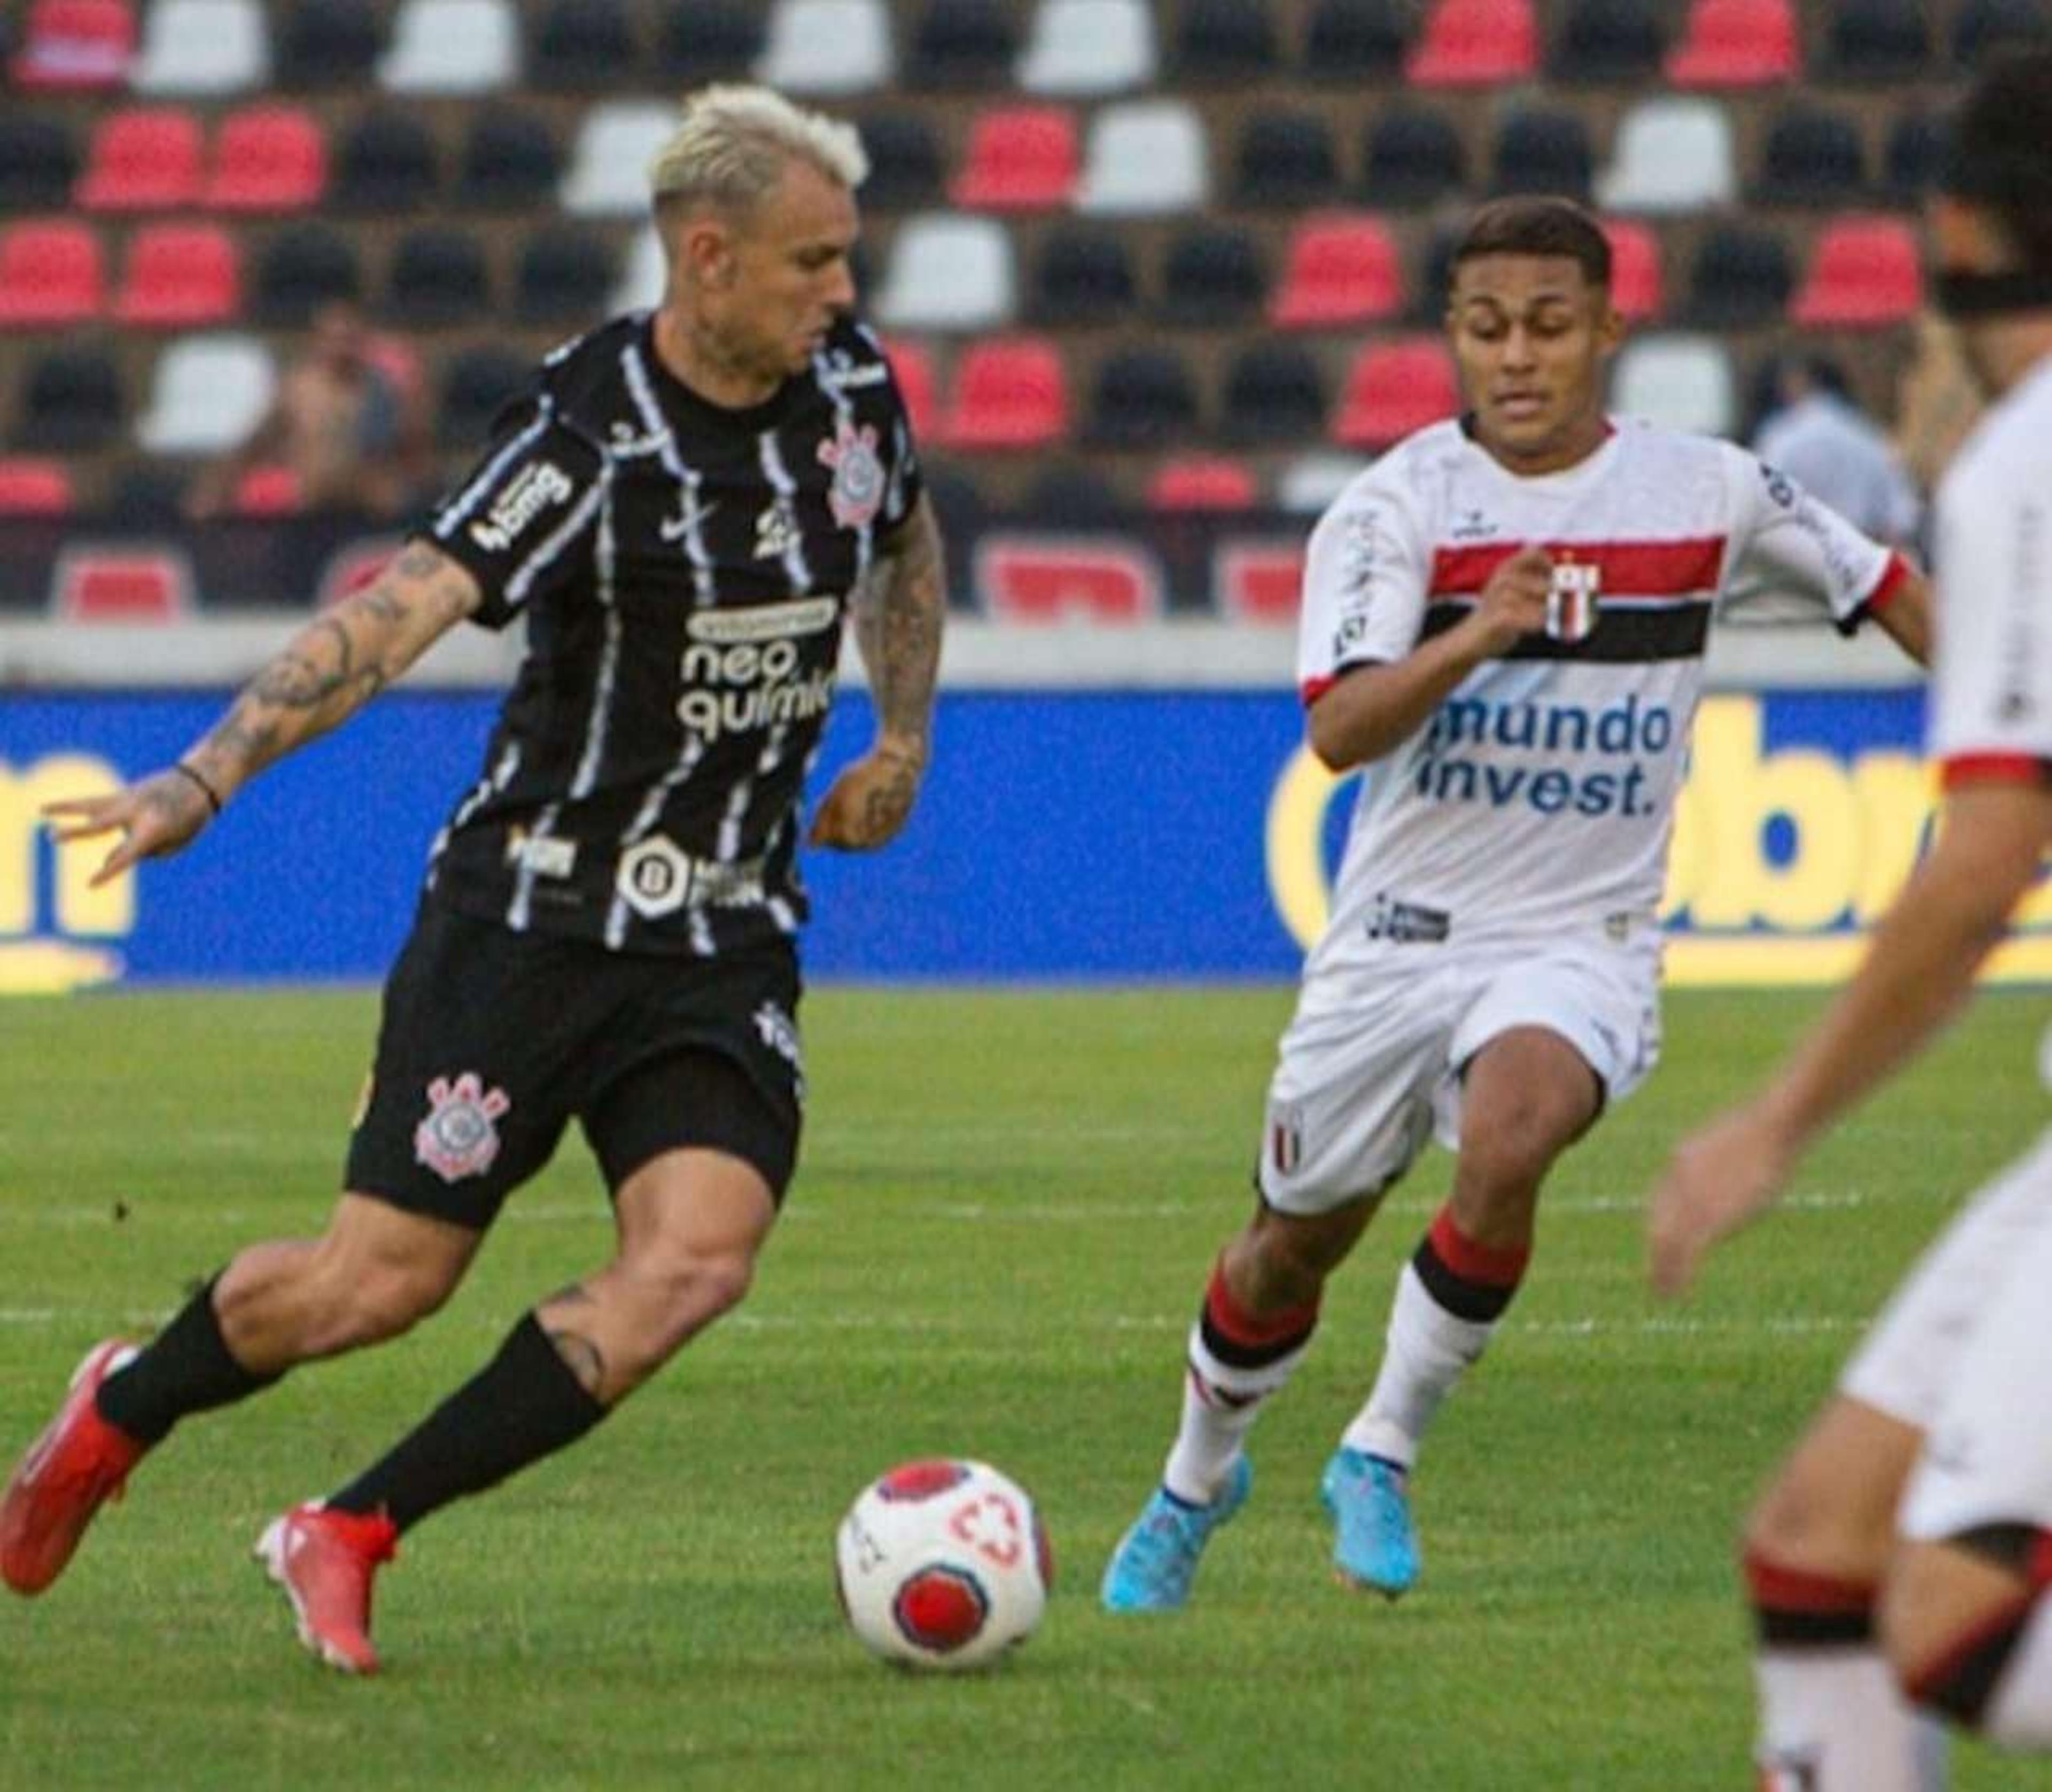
77 1464
324 1561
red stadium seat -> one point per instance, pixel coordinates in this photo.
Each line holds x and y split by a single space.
1635 268
1019 159
267 490
107 584
1342 269
50 274
144 160
75 44
178 275
1203 482
267 159
1394 388
912 368
30 487
1010 392
1736 43
1864 272
1476 43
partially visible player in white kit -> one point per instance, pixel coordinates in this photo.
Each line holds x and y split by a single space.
1898 1563
1504 619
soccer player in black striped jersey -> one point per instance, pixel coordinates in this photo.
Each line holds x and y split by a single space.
684 510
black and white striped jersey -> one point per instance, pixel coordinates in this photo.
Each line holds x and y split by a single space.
683 569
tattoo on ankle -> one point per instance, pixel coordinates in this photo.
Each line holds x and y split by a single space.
582 1358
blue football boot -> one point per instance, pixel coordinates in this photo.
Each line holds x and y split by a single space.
1156 1561
1373 1544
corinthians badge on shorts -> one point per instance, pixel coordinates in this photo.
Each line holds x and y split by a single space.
459 1138
1572 599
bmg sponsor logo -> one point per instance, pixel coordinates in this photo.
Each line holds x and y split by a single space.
54 926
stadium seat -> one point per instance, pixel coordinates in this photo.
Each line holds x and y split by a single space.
1394 388
207 393
948 272
202 47
1285 161
1634 269
1984 29
451 46
1881 40
1812 158
145 159
1211 482
51 275
1079 47
1357 40
178 275
327 43
386 163
1340 267
583 43
1864 273
1211 277
1678 381
510 163
476 386
1542 151
1273 394
1067 496
1429 294
1619 42
1311 482
1010 392
1145 156
267 490
1670 154
74 45
1740 279
1224 40
1736 43
1413 159
1084 276
1915 154
644 271
302 269
38 164
1019 159
918 386
267 159
438 279
826 46
1475 43
1144 398
711 40
562 276
608 171
118 583
70 402
34 487
904 162
963 43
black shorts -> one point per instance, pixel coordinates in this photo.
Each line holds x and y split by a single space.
491 1041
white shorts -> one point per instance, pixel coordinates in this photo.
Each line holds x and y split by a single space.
1370 1067
1963 1352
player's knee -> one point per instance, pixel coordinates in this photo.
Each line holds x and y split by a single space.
690 1288
1799 1523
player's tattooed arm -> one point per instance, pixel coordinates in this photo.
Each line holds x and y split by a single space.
324 675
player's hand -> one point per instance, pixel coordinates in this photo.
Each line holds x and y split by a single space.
155 816
1719 1178
1513 603
866 805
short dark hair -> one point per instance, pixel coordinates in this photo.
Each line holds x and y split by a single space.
1997 154
1536 226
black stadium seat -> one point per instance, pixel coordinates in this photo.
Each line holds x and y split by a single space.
1358 39
1212 276
70 403
1144 398
904 162
327 43
583 43
1224 40
1916 151
1084 275
303 267
1741 278
1543 151
511 162
1812 158
1413 159
1986 29
1878 41
385 163
711 40
963 43
476 386
438 278
38 163
1274 393
1617 42
564 277
1285 159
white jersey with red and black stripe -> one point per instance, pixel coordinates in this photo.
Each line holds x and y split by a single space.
1541 794
1991 706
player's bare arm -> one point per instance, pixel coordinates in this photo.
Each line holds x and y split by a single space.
1374 709
1919 970
1906 618
326 673
898 617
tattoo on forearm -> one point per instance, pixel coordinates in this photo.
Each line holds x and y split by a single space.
583 1359
899 629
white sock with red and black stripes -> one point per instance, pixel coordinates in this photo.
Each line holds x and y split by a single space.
1449 1298
1237 1360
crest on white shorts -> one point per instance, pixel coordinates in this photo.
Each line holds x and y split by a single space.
1286 1139
459 1138
856 494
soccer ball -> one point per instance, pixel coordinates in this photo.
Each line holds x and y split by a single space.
942 1564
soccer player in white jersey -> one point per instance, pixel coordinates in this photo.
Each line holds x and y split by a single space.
1503 622
1898 1562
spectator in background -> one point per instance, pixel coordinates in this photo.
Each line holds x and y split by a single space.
1815 430
1936 402
345 427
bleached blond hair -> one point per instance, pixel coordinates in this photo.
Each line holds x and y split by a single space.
733 142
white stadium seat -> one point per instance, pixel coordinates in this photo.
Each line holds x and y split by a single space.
1670 155
1145 156
202 46
1682 381
1082 47
1309 484
207 393
609 169
451 46
826 46
947 271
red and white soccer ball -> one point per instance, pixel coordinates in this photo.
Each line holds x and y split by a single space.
943 1564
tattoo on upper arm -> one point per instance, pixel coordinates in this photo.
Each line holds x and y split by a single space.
898 625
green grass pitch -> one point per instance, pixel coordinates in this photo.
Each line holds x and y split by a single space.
1007 1206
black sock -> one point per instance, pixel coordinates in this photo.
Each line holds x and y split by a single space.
523 1405
186 1368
